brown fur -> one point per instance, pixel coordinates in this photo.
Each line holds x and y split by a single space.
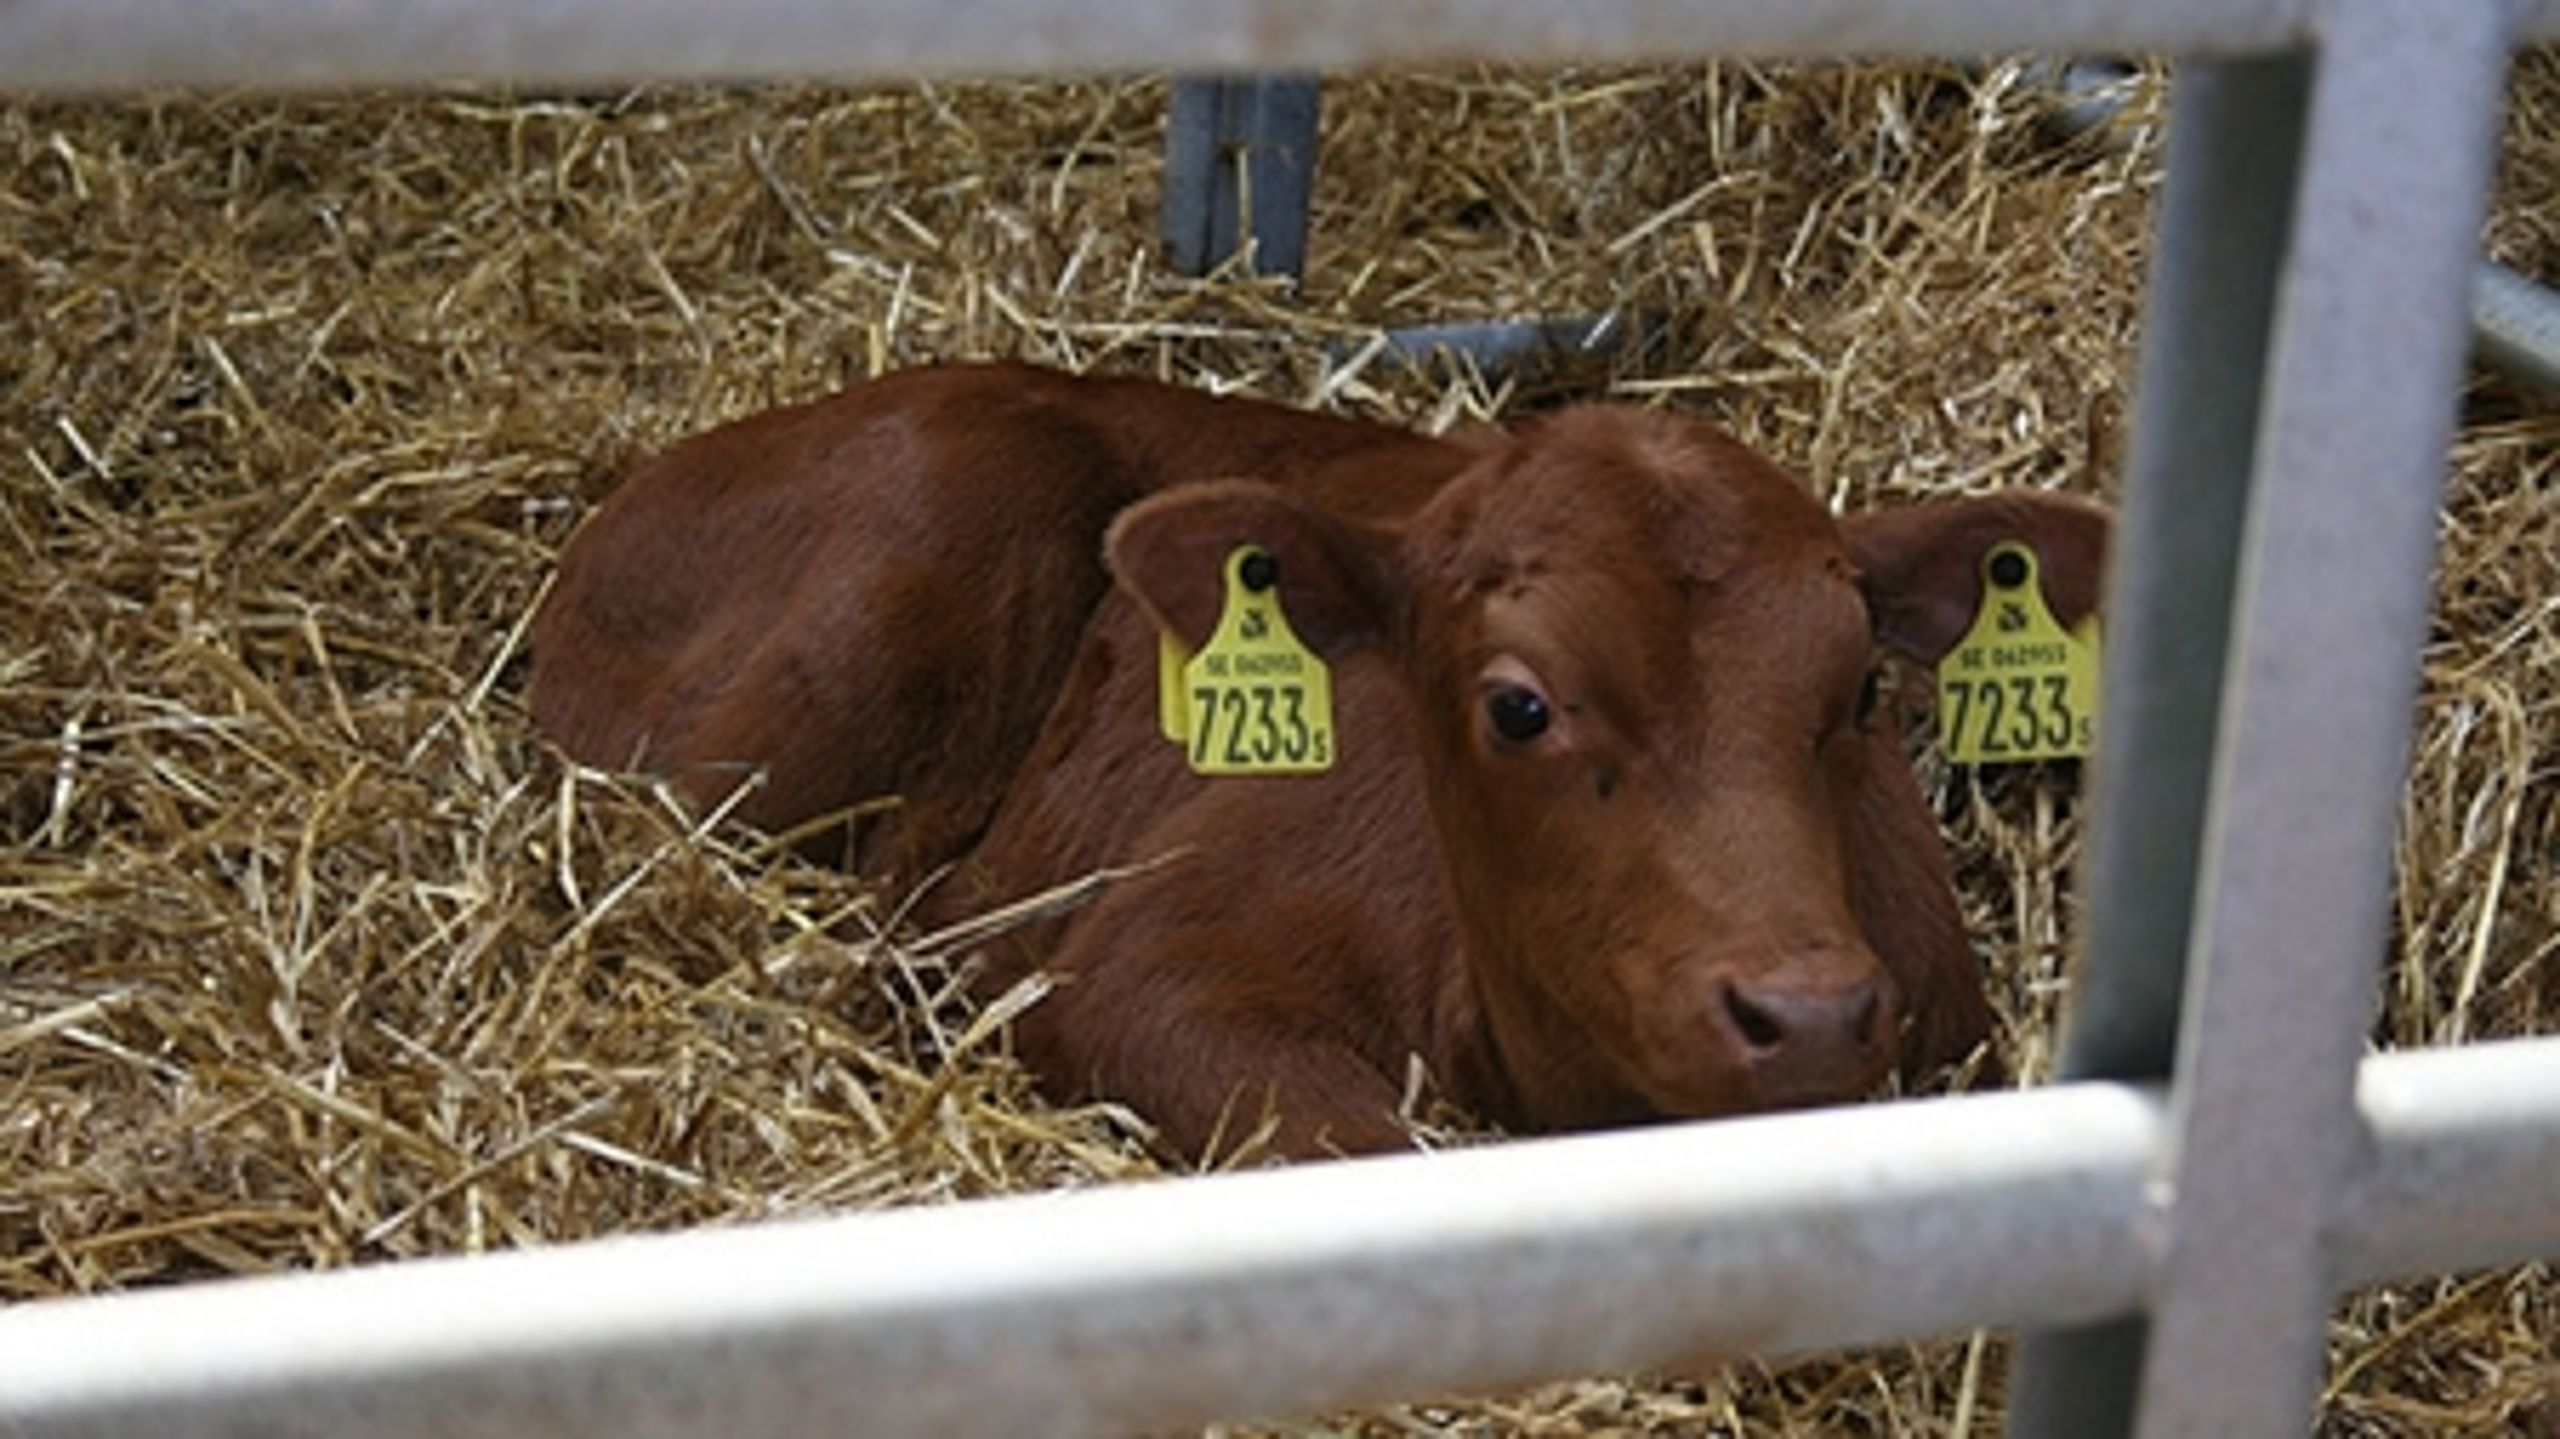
1710 886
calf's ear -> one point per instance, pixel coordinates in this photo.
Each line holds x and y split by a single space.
1337 578
1922 564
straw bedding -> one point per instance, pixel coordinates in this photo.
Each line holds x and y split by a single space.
309 956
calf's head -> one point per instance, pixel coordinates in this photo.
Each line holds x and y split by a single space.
1674 818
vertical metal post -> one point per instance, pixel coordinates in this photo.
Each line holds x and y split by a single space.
1240 158
2235 133
2332 603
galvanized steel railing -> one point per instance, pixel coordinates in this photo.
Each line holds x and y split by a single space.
1290 1290
2173 1220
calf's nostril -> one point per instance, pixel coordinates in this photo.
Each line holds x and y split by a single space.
1867 1025
1759 1028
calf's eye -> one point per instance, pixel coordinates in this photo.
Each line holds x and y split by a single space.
1517 713
1867 697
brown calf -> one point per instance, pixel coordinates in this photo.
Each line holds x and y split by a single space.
1616 832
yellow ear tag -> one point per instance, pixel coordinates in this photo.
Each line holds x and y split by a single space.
1173 707
1255 700
2018 687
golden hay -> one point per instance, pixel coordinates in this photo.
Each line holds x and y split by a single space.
308 957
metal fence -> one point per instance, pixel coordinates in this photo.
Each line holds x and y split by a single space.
2171 1222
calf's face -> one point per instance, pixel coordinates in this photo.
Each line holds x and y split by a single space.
1644 661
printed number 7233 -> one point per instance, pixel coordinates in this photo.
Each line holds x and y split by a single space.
1245 726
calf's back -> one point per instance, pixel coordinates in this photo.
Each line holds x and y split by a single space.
875 595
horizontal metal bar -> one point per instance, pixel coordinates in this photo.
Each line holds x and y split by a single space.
56 45
1161 1305
1496 347
2515 326
2515 323
2462 1167
1278 1292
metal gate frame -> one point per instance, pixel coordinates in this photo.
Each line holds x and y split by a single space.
2173 1219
